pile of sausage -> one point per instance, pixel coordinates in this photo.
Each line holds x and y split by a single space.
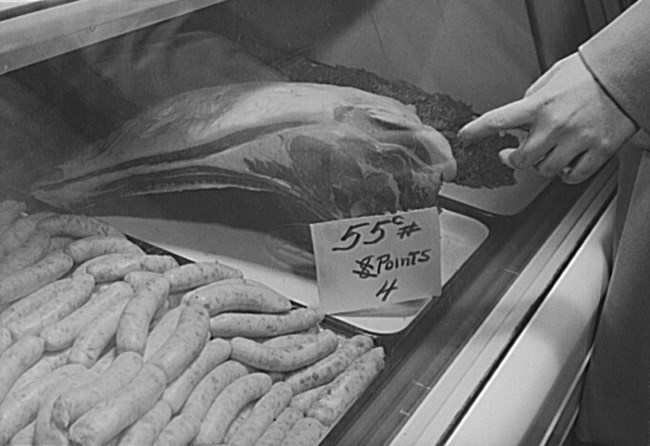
101 343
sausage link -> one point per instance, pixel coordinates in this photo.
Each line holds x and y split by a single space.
46 432
107 419
161 331
192 275
238 295
19 231
34 249
253 325
133 326
29 303
184 427
93 246
331 366
145 431
93 338
347 387
214 353
273 359
228 403
185 343
63 333
266 409
71 405
306 432
21 409
27 280
77 226
11 210
17 359
110 267
278 430
55 309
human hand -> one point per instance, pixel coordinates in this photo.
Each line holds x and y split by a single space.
573 125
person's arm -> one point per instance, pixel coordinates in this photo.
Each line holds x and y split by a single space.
575 124
619 58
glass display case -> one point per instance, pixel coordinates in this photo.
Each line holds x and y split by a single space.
107 109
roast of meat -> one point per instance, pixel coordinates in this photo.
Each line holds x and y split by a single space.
339 151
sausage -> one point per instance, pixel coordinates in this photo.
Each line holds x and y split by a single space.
109 267
192 275
265 410
253 325
25 436
58 243
145 431
47 363
237 422
304 400
228 403
178 432
46 432
331 366
158 263
238 295
287 342
97 245
21 409
29 303
214 353
105 360
34 249
27 280
306 431
185 343
17 359
107 419
62 334
346 387
161 331
5 339
279 429
133 325
138 278
19 231
95 336
54 309
77 226
184 427
69 406
11 210
272 359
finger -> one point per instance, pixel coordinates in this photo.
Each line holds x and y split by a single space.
584 167
511 116
560 159
531 150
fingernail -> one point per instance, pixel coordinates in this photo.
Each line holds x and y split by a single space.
505 156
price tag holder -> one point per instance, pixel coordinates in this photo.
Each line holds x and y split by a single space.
368 262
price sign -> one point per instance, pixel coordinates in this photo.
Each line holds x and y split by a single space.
368 262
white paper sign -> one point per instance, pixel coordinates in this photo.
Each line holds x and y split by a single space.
368 262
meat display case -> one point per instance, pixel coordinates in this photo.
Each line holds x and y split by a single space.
497 357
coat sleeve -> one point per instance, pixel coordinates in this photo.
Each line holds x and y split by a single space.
619 58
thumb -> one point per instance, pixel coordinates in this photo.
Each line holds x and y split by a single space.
511 116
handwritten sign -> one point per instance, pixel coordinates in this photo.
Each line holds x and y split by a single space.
368 262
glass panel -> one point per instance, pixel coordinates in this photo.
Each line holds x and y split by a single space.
148 126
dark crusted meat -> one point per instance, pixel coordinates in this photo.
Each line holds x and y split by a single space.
478 163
